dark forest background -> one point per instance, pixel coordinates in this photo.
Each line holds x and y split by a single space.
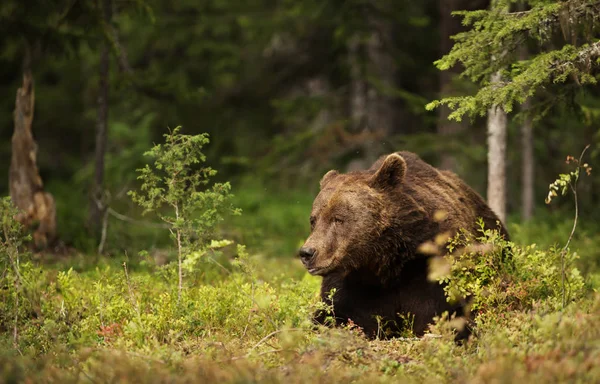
286 90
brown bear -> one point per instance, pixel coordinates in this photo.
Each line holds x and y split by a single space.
366 229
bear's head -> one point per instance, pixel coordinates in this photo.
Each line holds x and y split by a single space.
361 221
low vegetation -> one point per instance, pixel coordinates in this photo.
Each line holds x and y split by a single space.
240 319
245 315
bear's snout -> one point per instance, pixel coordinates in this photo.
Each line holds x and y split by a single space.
306 254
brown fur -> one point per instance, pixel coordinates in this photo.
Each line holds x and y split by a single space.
366 230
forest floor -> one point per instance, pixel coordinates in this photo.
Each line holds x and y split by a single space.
245 317
106 325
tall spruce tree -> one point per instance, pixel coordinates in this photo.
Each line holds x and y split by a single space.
564 55
562 41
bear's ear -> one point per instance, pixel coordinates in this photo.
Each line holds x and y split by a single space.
328 177
390 173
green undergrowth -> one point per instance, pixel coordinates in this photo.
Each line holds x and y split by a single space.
246 318
553 228
533 347
243 313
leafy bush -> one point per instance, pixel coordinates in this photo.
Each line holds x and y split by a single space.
498 275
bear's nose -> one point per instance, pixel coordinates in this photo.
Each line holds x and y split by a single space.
306 254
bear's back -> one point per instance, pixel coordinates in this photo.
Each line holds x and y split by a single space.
443 191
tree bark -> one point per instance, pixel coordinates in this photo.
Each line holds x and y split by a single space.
381 67
371 109
358 93
96 205
447 129
319 87
26 186
527 153
358 98
528 170
497 127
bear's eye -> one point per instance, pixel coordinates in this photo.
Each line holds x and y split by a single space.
313 220
338 220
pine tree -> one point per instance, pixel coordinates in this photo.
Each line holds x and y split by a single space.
566 52
563 53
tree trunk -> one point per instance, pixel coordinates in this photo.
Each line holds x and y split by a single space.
358 93
447 129
26 186
358 98
96 205
497 126
371 109
381 68
528 157
319 87
528 171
